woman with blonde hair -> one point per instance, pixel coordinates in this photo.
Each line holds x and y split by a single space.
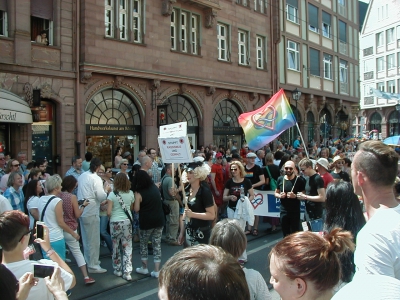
232 194
120 203
306 265
123 165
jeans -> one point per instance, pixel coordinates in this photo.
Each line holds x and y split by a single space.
90 230
172 225
242 223
104 234
73 246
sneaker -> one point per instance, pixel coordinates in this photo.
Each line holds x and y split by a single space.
142 271
97 270
127 277
67 260
89 281
154 274
118 273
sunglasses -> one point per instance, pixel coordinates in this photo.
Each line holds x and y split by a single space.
233 169
286 168
125 164
15 165
302 170
29 232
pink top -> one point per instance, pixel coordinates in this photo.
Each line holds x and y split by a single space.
69 215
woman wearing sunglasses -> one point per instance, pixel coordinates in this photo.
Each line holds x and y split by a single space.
232 193
123 165
338 173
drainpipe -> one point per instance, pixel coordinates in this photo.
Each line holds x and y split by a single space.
78 118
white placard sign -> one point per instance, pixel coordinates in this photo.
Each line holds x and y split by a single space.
173 130
175 149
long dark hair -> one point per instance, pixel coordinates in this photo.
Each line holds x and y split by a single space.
343 210
31 190
141 181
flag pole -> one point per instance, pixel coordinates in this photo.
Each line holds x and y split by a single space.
301 136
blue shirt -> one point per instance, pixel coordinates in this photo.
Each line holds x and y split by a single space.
72 171
16 198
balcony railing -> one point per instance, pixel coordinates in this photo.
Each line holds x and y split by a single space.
369 75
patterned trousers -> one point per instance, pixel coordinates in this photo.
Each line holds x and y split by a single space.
155 233
121 231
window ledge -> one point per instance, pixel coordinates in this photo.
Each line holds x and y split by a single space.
293 70
224 61
185 53
293 22
262 69
214 4
3 37
33 43
246 66
329 79
124 41
261 13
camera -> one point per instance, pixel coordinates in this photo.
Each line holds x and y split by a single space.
80 202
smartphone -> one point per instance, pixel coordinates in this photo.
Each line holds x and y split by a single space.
42 271
80 202
39 230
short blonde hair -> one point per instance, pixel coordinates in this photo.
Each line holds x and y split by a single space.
123 161
240 167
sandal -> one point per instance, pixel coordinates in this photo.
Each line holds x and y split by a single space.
255 232
247 232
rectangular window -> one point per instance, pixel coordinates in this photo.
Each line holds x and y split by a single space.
343 71
108 18
328 66
326 24
342 31
380 86
183 26
391 86
3 23
390 59
314 62
260 6
293 56
390 36
187 26
223 41
42 22
260 42
379 39
242 47
380 62
313 23
292 10
137 19
123 30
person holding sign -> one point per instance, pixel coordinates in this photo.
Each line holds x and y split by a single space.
200 207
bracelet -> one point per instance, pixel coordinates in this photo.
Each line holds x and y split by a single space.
50 252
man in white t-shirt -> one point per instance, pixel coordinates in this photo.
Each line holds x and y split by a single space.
14 239
4 204
373 172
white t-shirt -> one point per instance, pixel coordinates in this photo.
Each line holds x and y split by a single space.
378 244
33 202
39 291
257 286
5 204
56 232
91 188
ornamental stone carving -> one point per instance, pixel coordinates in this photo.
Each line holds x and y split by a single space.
167 7
28 94
182 88
118 81
85 77
210 17
155 85
46 91
253 96
211 90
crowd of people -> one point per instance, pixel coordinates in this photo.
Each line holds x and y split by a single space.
205 206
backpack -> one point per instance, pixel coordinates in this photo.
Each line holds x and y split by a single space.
272 182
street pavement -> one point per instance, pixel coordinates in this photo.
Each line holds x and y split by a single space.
109 286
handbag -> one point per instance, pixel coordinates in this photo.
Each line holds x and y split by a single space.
121 202
272 182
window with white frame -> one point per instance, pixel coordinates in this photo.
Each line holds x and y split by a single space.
391 86
123 20
242 2
260 48
380 86
260 6
243 47
293 55
326 24
41 21
390 60
292 10
313 18
390 36
343 71
223 41
185 29
380 64
328 66
379 39
3 23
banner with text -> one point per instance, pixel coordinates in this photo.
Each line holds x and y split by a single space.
267 205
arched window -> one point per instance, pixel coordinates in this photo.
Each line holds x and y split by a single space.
180 110
226 114
394 123
111 107
375 122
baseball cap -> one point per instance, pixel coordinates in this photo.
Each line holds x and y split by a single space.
218 155
126 154
323 162
251 155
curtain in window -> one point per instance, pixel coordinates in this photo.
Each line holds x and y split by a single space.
293 3
326 18
342 31
313 16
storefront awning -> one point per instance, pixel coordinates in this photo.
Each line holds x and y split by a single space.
13 109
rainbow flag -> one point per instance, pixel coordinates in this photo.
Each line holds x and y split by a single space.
265 124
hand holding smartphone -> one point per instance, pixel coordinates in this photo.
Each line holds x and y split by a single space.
42 271
40 232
